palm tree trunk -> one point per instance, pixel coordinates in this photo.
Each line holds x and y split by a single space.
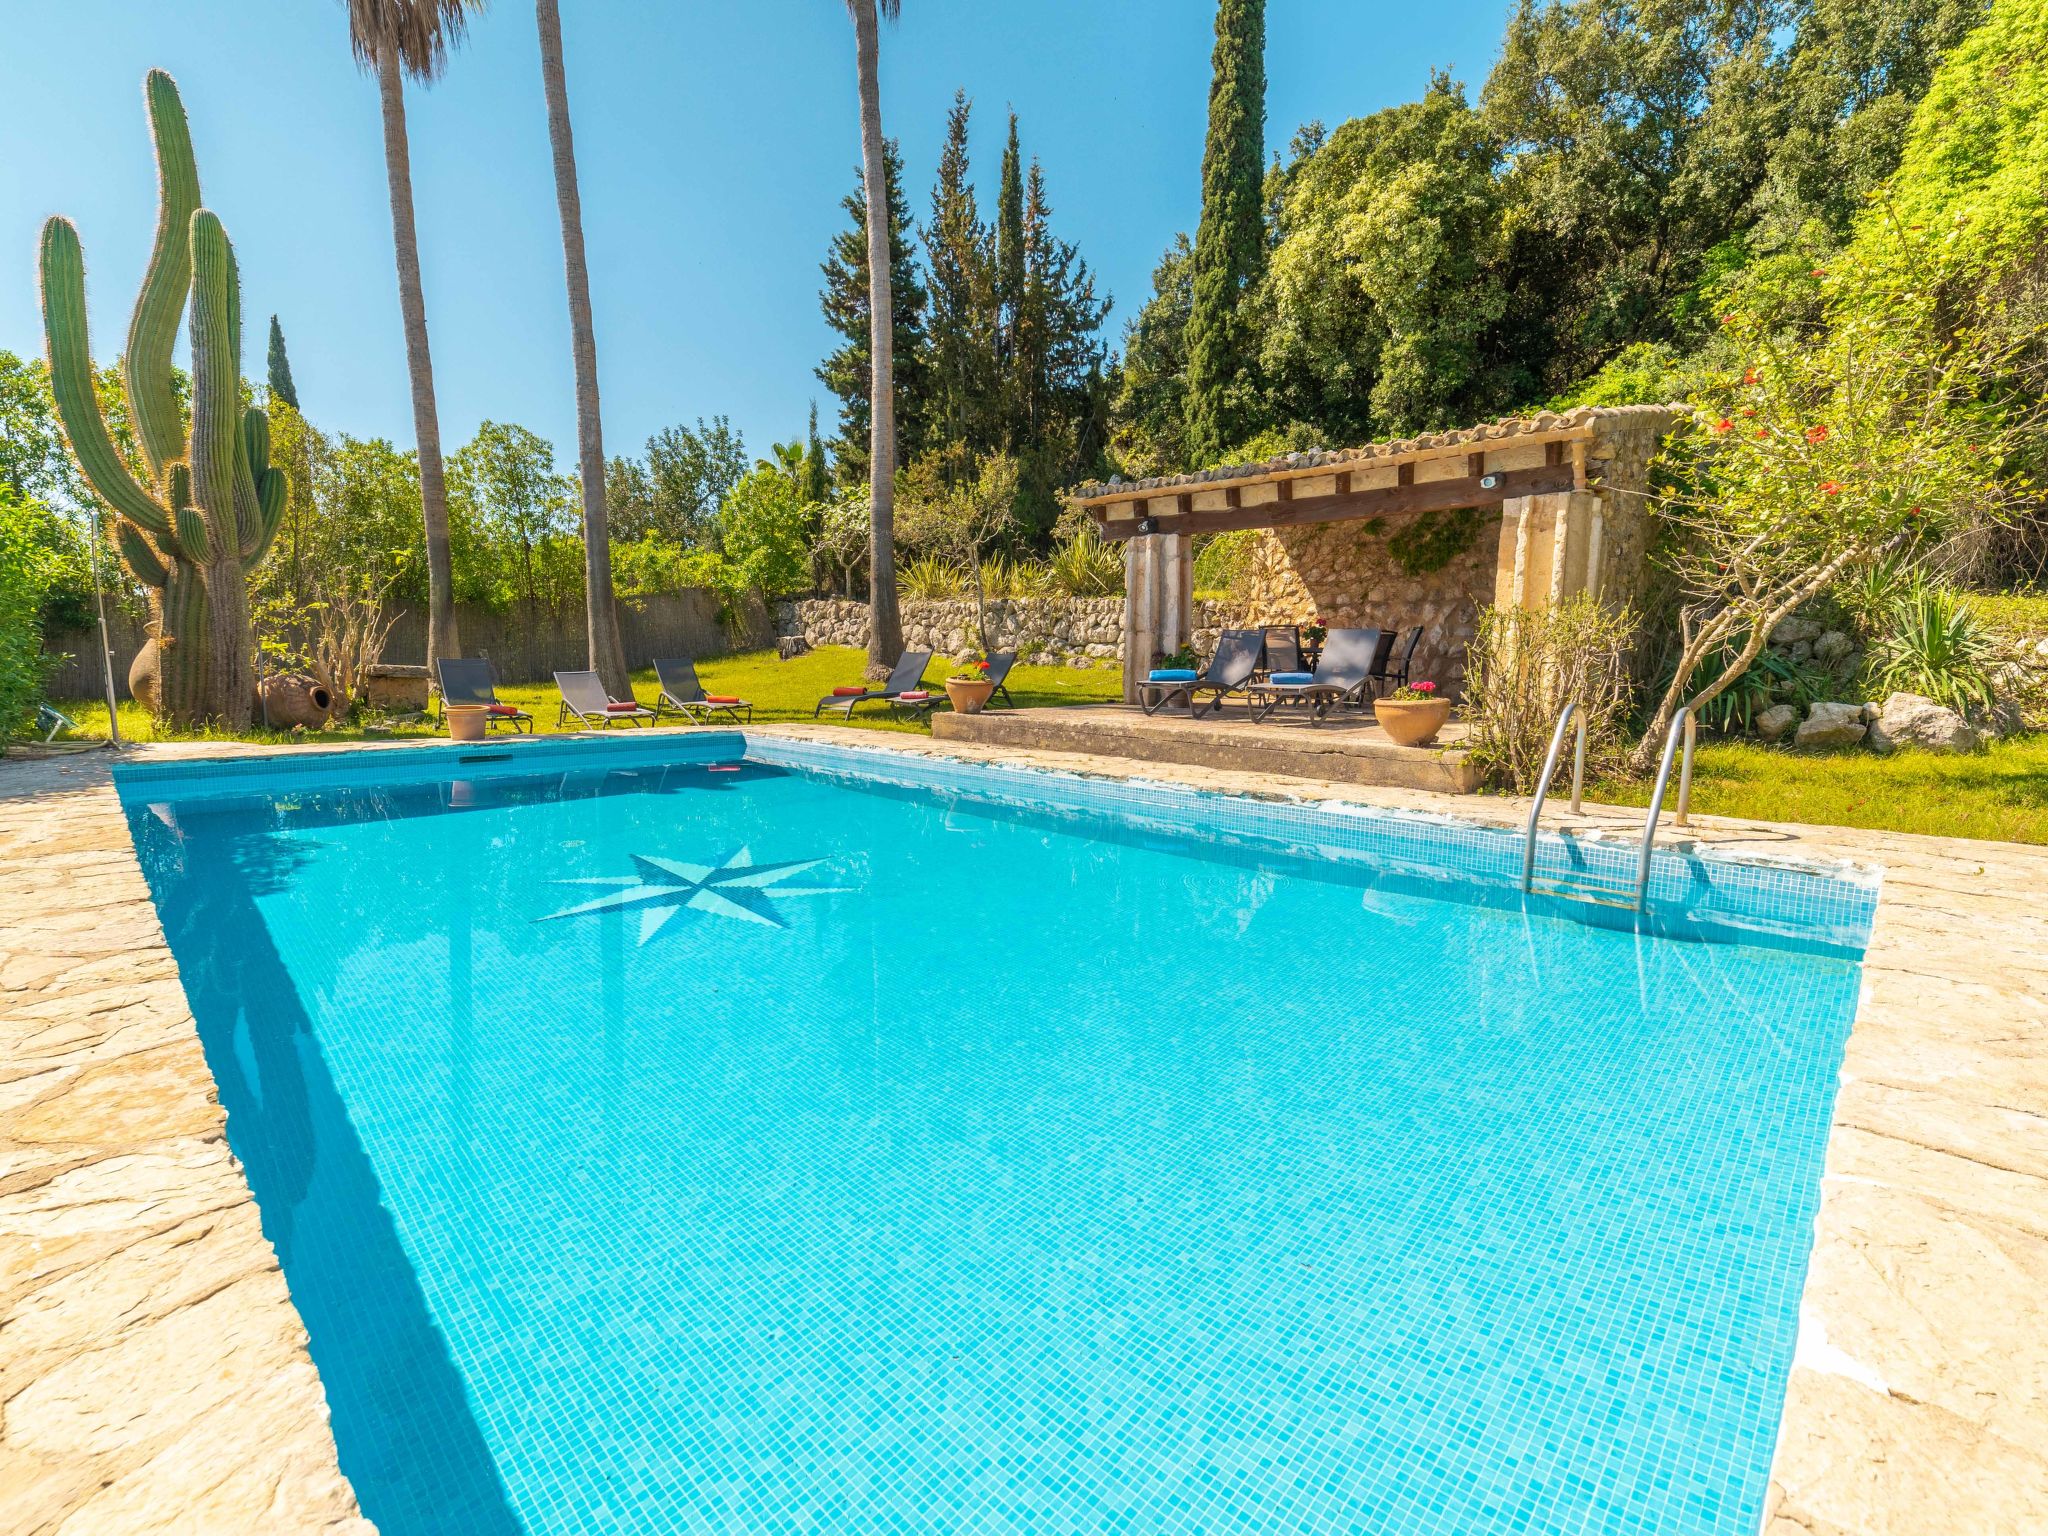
426 422
607 652
885 624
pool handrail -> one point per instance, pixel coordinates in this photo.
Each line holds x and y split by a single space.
1564 717
1681 725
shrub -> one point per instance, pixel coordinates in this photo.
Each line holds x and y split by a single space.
26 570
1524 663
1772 678
1221 563
1935 645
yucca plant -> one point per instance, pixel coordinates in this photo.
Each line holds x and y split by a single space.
1773 678
1086 566
929 577
1935 644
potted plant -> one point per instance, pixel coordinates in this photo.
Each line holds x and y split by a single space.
970 687
467 722
1412 716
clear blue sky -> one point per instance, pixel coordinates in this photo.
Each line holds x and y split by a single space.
715 140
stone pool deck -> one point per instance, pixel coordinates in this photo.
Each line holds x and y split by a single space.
154 1375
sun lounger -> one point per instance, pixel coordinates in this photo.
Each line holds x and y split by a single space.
1343 672
1229 670
903 678
469 681
584 696
683 694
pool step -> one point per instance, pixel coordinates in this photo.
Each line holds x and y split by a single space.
1588 888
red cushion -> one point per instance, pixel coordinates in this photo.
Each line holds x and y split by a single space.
501 709
621 709
721 698
914 698
848 693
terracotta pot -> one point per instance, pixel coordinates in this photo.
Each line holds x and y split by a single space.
290 699
968 694
466 722
1412 722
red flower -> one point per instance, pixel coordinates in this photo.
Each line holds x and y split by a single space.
1425 687
981 666
1749 377
1830 487
1820 272
1816 434
1749 410
1911 513
1763 431
1724 425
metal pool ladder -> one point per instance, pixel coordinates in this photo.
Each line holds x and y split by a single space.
1608 892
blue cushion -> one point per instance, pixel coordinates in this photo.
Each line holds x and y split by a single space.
1293 679
1172 675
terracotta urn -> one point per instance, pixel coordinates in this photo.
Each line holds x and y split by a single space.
290 699
467 722
969 695
1411 722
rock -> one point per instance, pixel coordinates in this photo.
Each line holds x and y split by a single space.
1831 725
1832 646
789 646
1871 711
1801 650
1911 720
1792 631
1774 723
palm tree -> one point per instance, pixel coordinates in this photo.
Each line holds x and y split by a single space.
397 38
885 624
607 653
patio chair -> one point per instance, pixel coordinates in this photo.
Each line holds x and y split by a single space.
468 680
1382 656
1229 670
55 721
1342 675
1404 657
584 696
903 678
1283 648
682 694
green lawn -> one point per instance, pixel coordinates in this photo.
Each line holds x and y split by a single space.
778 690
2000 793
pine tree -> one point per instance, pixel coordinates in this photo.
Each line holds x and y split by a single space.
844 299
1230 243
1063 400
281 387
962 326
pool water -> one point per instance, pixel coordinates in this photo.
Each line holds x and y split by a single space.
711 1145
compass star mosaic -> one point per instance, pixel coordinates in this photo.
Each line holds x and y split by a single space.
737 888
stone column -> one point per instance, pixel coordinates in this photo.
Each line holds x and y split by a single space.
1176 590
1550 548
1141 610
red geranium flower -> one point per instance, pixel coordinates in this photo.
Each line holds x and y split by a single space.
1816 434
1830 487
1724 425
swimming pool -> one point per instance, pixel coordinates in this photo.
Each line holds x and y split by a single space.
706 1133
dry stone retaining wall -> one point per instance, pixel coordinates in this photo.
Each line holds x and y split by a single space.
1055 631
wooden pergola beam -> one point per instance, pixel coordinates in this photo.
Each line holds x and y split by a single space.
1292 511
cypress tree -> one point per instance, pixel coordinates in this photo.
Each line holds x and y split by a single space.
1230 243
281 386
963 323
1010 296
844 299
816 478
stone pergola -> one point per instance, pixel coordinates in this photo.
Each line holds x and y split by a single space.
1565 488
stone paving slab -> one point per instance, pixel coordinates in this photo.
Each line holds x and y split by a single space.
154 1375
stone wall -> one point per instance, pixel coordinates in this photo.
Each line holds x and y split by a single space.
1055 631
1343 574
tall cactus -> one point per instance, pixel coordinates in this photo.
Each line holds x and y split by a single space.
209 502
